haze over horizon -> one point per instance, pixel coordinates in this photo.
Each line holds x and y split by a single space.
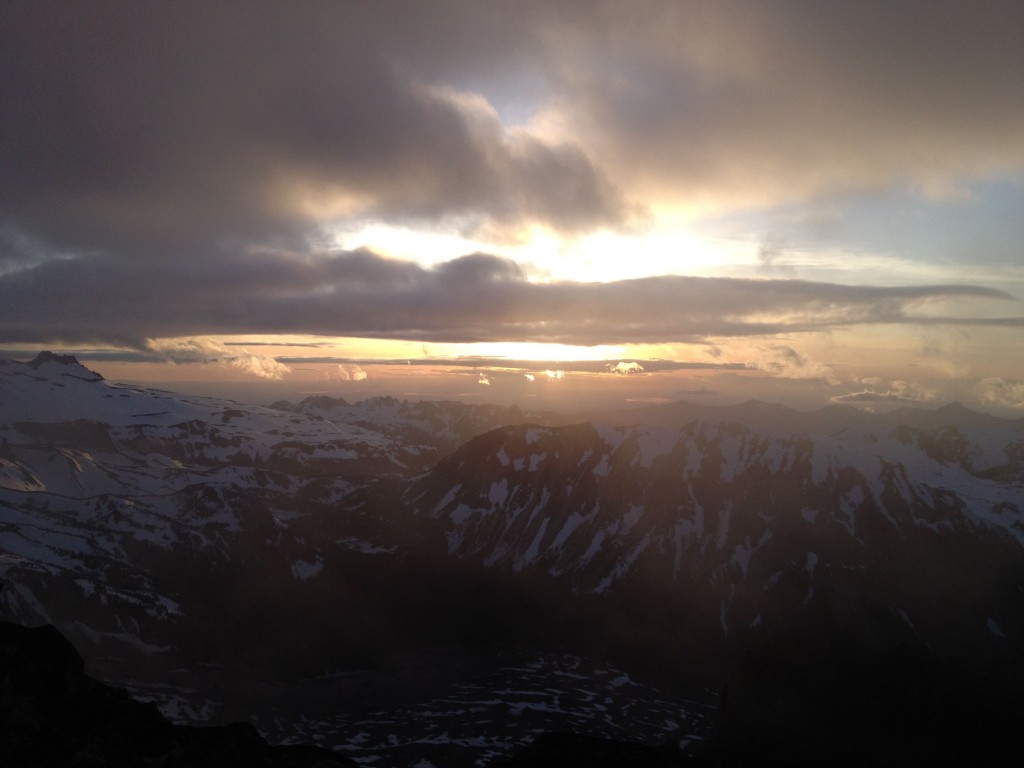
545 203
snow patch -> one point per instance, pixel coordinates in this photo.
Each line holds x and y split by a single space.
593 549
304 571
630 519
572 522
499 492
812 562
448 498
742 552
365 547
623 565
534 549
461 514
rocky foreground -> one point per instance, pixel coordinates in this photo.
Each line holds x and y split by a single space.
53 714
897 710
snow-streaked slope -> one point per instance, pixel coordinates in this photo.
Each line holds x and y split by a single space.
104 488
502 489
424 431
53 402
732 515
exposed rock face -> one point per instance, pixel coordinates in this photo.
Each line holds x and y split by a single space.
52 714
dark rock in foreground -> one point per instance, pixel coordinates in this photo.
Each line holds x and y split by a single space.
567 750
791 706
51 713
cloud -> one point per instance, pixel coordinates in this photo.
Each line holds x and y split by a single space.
530 377
784 361
218 122
998 391
478 297
198 126
484 380
625 369
191 350
898 392
174 171
697 391
209 351
350 372
263 366
769 252
725 104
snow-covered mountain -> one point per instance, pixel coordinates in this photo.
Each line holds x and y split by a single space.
105 486
192 546
183 542
425 430
914 531
563 497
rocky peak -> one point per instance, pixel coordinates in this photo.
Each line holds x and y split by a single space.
70 361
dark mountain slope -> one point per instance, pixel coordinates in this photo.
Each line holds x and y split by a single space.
52 714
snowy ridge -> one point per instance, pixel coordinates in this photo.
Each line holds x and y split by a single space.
101 485
420 431
594 504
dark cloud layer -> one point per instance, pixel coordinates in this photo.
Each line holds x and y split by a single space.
165 167
141 126
152 129
473 298
761 102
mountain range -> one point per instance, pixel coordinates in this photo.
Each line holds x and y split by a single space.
438 583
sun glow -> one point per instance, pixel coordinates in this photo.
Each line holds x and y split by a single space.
608 256
666 245
494 352
529 351
424 247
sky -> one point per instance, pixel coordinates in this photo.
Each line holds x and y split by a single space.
555 204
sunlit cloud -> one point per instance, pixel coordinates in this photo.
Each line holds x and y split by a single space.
680 182
350 372
209 351
263 366
483 380
898 392
998 391
625 369
784 361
